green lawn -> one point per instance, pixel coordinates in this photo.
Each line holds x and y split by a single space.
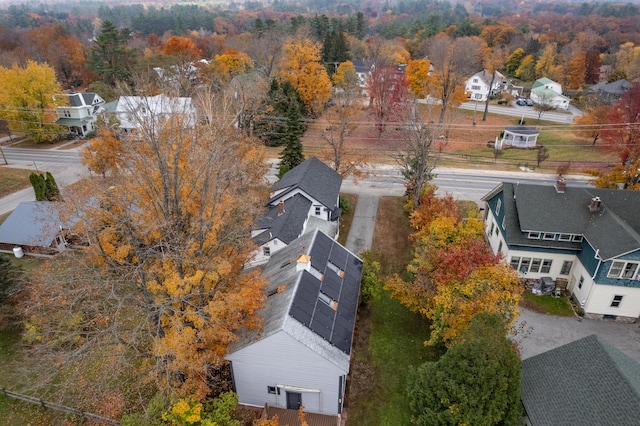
558 306
12 180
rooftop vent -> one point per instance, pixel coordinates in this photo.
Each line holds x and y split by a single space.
595 205
560 185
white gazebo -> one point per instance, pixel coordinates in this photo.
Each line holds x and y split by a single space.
518 137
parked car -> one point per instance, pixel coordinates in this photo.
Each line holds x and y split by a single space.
521 102
529 102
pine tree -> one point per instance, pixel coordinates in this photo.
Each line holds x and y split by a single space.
292 155
109 57
39 186
52 192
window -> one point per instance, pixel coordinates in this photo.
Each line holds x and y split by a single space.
617 299
266 251
475 87
564 237
67 113
535 265
493 225
500 247
274 390
546 266
576 238
580 282
622 269
549 236
566 267
515 262
524 265
498 207
318 210
497 231
534 235
475 80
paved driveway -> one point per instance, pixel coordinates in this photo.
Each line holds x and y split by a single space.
364 219
538 333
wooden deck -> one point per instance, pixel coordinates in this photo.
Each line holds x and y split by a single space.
290 418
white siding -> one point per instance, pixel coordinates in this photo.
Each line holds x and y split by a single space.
556 264
581 295
602 295
281 360
495 240
259 257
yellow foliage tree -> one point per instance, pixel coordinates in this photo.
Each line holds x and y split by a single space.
302 68
104 153
418 77
30 95
234 62
491 288
174 219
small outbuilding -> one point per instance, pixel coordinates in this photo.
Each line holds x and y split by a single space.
518 137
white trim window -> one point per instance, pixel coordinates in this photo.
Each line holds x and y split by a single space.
534 235
498 206
564 237
624 270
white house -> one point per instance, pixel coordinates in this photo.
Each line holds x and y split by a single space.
588 237
135 111
80 113
518 137
302 354
306 198
548 92
479 86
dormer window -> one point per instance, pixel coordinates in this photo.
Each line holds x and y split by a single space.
576 238
534 235
549 236
564 237
624 270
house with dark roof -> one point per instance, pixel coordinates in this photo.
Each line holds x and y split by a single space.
302 354
586 237
518 137
586 382
36 227
80 112
611 92
306 198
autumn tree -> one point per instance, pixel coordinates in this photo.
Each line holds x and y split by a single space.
418 77
454 61
576 70
301 67
380 85
30 95
544 102
514 61
104 154
417 156
169 229
550 63
266 50
182 48
526 71
110 58
477 381
591 123
341 120
623 137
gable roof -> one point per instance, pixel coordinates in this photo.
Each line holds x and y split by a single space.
84 99
541 82
545 92
486 76
286 226
586 382
33 223
522 130
617 88
317 305
152 106
315 178
614 230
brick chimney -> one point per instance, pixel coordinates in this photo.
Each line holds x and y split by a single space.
595 205
280 207
560 185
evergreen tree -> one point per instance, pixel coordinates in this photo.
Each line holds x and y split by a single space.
52 191
476 382
335 51
39 186
109 56
285 114
292 155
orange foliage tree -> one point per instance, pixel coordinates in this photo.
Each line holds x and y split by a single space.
169 231
454 273
182 48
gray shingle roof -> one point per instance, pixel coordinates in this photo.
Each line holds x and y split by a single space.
522 130
316 179
286 226
32 223
615 230
285 285
586 382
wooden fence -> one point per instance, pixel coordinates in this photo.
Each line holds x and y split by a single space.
59 407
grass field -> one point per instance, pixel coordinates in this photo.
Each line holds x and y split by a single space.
558 306
12 180
389 338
